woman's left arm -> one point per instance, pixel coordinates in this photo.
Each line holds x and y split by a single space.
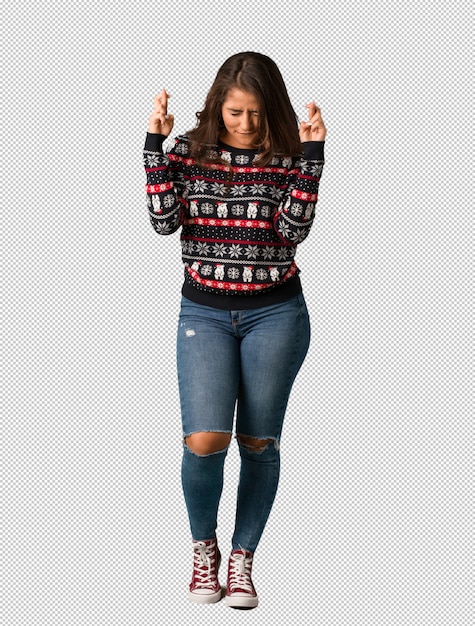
294 217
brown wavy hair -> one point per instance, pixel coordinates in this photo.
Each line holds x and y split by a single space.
278 124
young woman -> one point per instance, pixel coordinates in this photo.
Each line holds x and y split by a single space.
242 186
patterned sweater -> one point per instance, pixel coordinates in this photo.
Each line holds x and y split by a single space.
238 237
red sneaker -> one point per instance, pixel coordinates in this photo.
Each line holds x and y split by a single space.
240 592
204 586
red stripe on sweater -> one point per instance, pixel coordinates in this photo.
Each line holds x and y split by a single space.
158 188
240 242
214 221
240 170
303 195
307 177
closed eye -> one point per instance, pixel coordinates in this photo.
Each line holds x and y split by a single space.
236 112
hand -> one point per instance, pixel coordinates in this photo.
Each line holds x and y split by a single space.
159 121
314 129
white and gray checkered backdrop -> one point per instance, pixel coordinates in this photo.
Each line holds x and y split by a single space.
371 522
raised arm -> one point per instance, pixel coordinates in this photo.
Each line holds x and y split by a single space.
294 218
165 189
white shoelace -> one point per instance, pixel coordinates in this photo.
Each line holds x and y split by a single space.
240 572
204 575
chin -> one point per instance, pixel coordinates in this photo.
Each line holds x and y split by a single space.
248 140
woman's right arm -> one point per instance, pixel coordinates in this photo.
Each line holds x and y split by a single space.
166 192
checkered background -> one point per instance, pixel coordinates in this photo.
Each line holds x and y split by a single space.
371 522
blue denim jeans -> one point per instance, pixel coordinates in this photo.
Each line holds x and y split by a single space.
237 364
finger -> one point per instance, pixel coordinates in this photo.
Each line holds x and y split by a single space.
317 126
156 103
162 108
317 118
312 109
160 102
164 96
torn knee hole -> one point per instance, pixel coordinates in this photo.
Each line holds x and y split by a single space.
205 443
254 444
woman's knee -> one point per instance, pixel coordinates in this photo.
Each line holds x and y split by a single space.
204 443
253 444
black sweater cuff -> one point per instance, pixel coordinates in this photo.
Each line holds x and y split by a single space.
154 142
313 150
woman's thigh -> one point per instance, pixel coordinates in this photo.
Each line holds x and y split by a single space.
208 368
272 351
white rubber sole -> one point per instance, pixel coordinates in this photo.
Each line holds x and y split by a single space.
209 598
242 602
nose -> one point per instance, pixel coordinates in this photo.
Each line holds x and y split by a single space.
247 122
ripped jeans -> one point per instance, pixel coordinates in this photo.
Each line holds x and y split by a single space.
250 358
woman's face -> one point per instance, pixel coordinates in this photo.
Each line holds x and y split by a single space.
240 113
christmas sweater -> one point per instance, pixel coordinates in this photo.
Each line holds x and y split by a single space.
239 236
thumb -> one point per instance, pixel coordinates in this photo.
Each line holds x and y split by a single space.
304 129
305 126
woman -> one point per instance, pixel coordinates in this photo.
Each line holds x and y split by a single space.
242 185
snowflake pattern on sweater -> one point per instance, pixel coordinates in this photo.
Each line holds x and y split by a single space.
238 236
